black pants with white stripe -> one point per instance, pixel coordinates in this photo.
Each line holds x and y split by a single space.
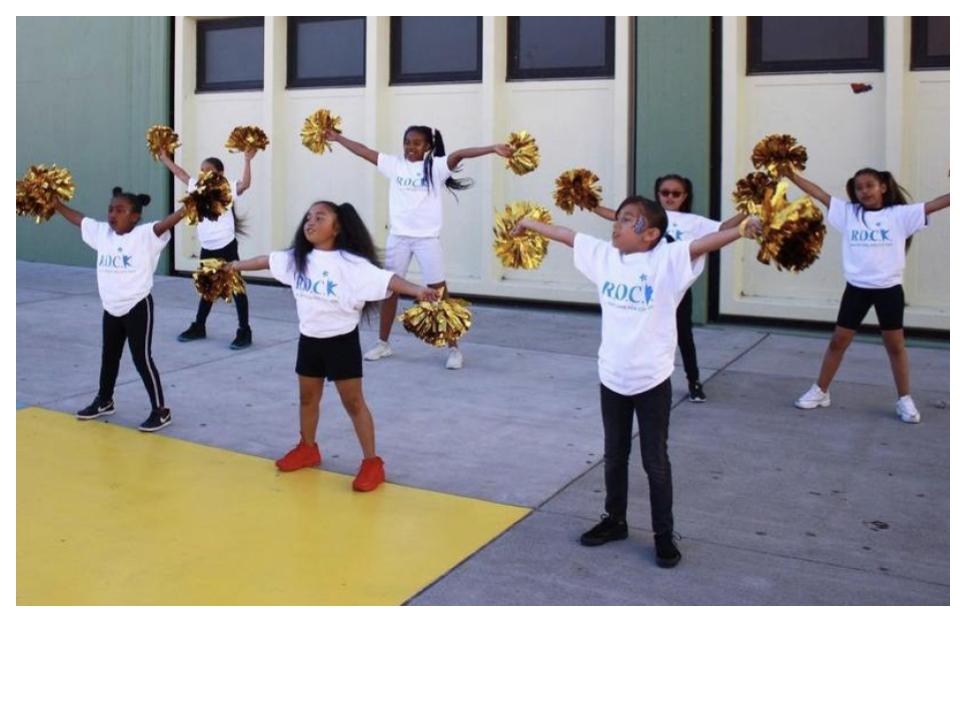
135 328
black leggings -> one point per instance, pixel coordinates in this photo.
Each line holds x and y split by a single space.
228 253
135 328
652 409
688 351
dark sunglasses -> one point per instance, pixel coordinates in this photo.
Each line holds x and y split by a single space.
672 193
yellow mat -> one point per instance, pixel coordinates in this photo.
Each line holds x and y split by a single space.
107 515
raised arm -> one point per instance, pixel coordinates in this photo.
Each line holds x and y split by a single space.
750 227
931 206
454 158
260 262
605 212
181 174
69 214
359 149
811 188
554 232
168 222
398 285
244 183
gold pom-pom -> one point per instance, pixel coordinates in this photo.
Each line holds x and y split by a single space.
749 193
577 188
527 249
214 279
211 198
793 232
246 137
438 323
41 188
161 137
314 133
779 155
526 154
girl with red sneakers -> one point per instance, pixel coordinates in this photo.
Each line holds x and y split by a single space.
333 271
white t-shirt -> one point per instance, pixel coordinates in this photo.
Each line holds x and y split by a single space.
687 226
125 263
331 293
414 211
215 234
875 241
639 294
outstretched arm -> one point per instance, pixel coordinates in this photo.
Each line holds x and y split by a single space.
734 221
260 262
554 232
939 203
811 188
398 285
244 183
69 214
605 212
454 158
359 149
750 227
168 222
181 174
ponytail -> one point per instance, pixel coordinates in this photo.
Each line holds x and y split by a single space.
437 150
137 202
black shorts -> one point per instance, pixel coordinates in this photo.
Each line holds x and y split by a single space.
856 302
333 358
230 251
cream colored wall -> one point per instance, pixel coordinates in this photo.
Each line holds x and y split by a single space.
576 123
902 125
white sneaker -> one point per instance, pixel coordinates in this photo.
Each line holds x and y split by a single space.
907 411
380 350
813 398
454 359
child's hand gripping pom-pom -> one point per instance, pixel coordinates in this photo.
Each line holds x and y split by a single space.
526 154
211 198
216 278
246 137
577 188
779 155
162 139
438 323
793 232
314 132
41 188
517 247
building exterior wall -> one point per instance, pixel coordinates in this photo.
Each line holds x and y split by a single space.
87 107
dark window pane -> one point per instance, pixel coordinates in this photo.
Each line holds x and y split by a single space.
938 36
930 43
231 56
326 51
561 42
435 49
813 38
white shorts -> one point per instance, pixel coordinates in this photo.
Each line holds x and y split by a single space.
427 250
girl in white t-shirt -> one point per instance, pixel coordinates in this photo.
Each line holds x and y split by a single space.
333 271
218 239
640 279
675 194
127 255
877 224
416 212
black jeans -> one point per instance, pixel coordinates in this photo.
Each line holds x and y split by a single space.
688 351
228 253
135 328
653 414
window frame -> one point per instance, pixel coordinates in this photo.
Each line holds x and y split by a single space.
571 72
920 58
294 81
225 24
399 78
873 62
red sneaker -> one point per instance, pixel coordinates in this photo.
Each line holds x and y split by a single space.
301 456
370 475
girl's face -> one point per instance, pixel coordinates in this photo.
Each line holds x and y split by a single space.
869 190
671 194
632 232
415 146
121 216
207 167
321 226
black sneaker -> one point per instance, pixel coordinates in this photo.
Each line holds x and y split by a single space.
243 339
696 393
158 419
96 409
196 331
667 554
605 531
